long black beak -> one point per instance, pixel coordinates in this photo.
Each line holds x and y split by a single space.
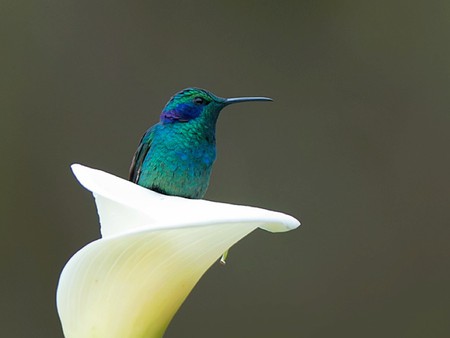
246 99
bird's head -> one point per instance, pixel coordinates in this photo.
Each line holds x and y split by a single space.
192 103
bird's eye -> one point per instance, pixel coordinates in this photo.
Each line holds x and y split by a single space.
200 101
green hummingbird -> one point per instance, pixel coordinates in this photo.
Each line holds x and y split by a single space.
176 155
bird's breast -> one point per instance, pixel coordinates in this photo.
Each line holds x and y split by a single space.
179 166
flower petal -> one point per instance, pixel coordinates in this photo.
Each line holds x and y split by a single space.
132 285
124 206
154 249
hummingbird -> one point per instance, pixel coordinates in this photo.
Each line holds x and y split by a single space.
176 155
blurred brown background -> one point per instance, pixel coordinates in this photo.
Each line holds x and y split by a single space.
355 146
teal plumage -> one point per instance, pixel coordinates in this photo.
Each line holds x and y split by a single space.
175 156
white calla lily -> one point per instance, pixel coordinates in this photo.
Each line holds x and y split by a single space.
154 248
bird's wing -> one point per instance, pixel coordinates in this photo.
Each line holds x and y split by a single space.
139 156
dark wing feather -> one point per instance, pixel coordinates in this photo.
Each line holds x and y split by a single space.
139 156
